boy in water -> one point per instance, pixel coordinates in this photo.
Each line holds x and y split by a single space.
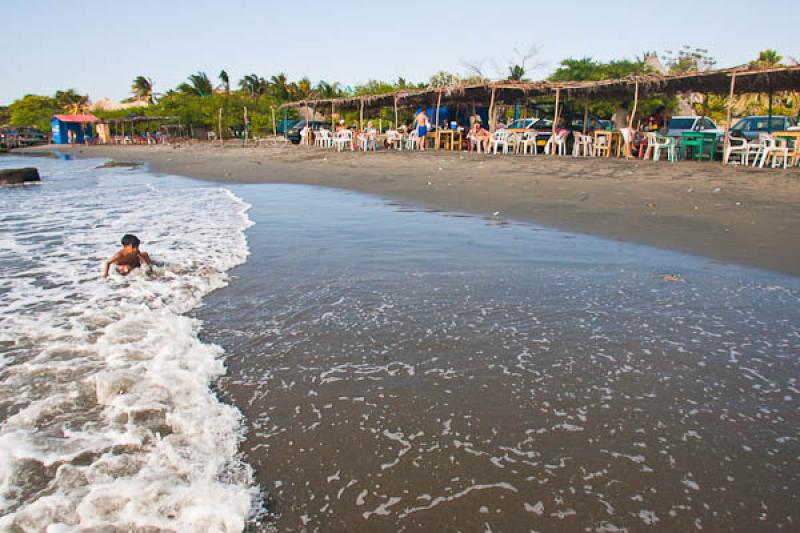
128 257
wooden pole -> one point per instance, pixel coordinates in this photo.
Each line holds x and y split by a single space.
491 111
396 125
729 117
555 122
246 129
274 125
333 120
585 114
361 116
220 126
438 105
308 125
629 145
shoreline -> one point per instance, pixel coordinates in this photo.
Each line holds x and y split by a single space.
732 214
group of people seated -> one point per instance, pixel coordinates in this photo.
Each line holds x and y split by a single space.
477 137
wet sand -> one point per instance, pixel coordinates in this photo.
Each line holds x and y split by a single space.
407 369
740 215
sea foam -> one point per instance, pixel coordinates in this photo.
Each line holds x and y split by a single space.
107 416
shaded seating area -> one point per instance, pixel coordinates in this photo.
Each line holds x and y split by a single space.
144 130
554 135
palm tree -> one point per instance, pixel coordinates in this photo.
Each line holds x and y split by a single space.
142 89
328 90
254 85
199 85
516 73
226 82
767 59
301 90
279 86
72 102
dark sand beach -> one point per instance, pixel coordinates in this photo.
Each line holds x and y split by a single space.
739 215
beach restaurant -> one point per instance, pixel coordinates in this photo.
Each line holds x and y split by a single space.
72 129
629 141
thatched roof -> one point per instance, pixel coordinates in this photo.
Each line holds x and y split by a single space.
135 119
508 92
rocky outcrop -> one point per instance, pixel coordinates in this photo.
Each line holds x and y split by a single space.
15 176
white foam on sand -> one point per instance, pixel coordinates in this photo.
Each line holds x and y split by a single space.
109 420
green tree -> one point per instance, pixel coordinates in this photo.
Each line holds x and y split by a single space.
688 59
324 89
444 79
33 110
199 85
254 85
72 102
373 87
767 59
3 115
142 89
226 81
279 87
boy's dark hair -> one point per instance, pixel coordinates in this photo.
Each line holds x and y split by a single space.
130 240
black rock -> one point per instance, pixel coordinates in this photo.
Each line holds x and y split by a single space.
15 176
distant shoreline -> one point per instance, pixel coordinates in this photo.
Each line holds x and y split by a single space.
739 215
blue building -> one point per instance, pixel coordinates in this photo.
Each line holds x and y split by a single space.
72 129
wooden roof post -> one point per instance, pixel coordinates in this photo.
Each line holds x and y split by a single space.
361 116
308 125
585 114
274 125
491 111
396 126
220 127
333 120
246 129
728 123
438 104
555 122
629 145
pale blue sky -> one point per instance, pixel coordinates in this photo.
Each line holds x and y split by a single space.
99 46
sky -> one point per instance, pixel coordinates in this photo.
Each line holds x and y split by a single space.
98 47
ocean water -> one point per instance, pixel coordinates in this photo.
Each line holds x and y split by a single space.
356 364
403 369
107 419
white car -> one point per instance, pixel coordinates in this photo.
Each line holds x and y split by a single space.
678 125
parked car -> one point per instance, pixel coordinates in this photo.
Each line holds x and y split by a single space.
30 137
600 124
750 127
522 125
678 125
293 134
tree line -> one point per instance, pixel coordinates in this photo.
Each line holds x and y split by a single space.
198 99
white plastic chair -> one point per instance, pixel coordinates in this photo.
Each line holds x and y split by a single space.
323 139
560 140
737 147
582 146
412 142
656 143
394 140
528 143
343 139
499 138
769 148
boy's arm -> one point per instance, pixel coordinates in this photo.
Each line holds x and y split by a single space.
144 257
111 260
